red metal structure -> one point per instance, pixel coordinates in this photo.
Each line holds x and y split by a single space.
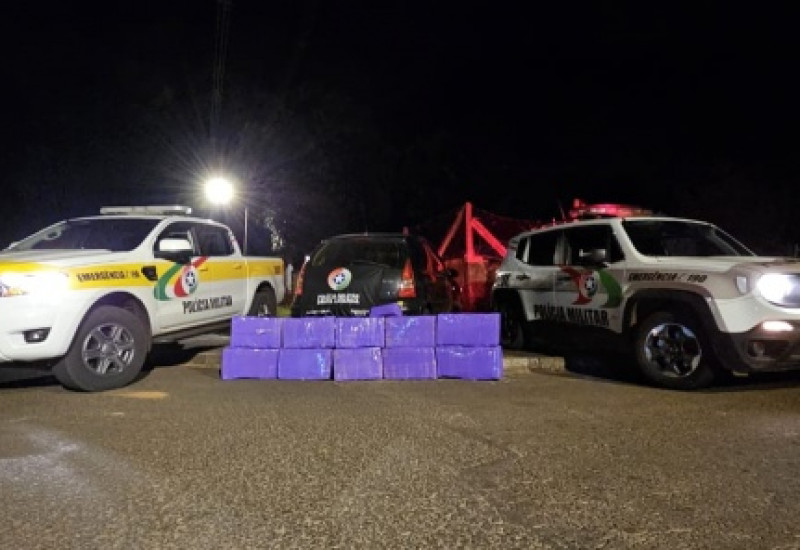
471 224
474 243
475 251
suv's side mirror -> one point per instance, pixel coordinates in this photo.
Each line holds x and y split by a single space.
594 256
175 249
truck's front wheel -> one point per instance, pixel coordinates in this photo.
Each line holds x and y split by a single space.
108 351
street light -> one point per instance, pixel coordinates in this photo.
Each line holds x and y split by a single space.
220 191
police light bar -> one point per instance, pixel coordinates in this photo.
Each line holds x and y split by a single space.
581 210
158 210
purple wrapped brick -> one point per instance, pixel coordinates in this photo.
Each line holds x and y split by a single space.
471 363
385 310
357 364
249 363
409 363
256 332
309 332
468 329
417 331
305 364
359 332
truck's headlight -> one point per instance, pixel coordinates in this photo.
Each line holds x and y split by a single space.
34 282
780 289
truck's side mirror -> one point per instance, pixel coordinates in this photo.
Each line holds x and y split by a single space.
175 249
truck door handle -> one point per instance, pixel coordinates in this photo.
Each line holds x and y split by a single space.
563 278
522 277
237 266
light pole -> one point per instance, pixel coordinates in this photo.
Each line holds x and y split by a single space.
220 191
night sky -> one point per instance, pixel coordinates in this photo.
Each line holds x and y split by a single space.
350 116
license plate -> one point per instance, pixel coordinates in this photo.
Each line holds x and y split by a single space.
331 299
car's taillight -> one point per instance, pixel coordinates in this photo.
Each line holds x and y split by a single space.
407 289
298 288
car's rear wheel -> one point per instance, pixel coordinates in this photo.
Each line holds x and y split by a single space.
672 351
108 351
265 304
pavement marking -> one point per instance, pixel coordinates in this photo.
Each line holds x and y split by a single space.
141 394
207 366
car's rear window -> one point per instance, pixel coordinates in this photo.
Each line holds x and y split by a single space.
344 252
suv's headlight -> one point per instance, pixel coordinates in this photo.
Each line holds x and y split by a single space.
780 289
33 282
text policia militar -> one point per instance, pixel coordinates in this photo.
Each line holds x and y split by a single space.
204 304
577 315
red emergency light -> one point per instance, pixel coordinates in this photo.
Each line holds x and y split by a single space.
581 210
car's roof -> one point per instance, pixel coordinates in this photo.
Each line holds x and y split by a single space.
376 236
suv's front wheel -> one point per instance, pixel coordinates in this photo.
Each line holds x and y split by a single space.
108 351
672 351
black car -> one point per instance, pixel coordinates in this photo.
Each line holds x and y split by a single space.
349 274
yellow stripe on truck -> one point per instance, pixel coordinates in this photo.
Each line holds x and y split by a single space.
81 277
220 270
131 275
264 268
104 276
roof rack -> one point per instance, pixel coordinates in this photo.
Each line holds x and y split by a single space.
153 209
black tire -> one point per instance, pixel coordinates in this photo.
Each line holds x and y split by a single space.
265 304
108 351
672 351
512 325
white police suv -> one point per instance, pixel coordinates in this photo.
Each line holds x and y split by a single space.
687 299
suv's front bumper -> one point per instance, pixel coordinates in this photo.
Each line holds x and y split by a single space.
761 350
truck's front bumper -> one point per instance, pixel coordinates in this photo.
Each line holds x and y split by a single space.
22 316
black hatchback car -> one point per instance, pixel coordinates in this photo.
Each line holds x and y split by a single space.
349 274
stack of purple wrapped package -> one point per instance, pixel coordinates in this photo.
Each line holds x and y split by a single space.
255 348
307 352
468 346
359 341
410 348
386 345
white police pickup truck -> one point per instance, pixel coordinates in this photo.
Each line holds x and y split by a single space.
90 295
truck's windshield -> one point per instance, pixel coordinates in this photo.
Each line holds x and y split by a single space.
682 238
114 234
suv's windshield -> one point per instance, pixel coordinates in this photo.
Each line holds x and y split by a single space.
681 238
115 234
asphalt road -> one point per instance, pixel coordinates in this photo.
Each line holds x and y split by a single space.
182 459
